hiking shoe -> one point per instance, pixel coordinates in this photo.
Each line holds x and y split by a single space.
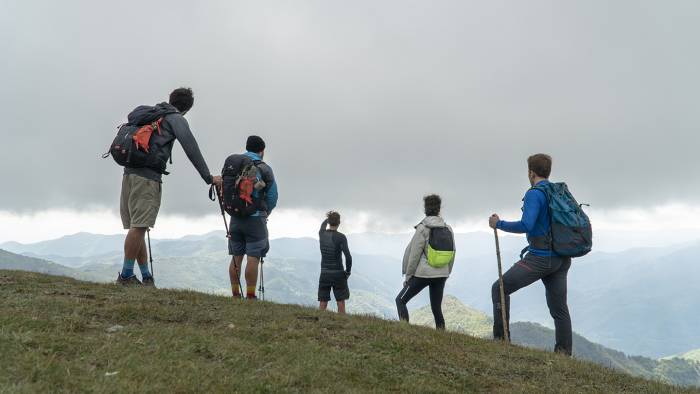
252 298
130 281
149 282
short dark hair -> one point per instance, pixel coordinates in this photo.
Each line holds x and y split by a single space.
255 144
333 218
432 205
540 164
182 99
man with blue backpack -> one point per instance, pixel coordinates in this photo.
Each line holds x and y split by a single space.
557 230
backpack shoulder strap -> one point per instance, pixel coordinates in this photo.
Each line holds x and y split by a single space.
550 235
263 173
543 189
169 112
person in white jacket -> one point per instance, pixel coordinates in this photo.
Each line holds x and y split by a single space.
428 261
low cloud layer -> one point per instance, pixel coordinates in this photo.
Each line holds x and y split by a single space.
364 105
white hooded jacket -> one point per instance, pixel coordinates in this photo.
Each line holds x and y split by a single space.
415 260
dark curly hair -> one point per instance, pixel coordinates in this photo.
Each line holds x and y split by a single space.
333 218
432 205
182 99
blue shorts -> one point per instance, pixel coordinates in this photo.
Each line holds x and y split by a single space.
248 237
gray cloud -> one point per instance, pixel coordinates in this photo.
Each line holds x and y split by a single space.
365 105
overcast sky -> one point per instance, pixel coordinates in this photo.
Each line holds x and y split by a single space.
365 105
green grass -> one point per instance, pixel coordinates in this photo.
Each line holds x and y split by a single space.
53 337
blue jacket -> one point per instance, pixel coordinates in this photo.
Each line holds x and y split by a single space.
535 220
271 188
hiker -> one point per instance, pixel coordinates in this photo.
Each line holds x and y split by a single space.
540 262
428 261
144 167
333 243
249 196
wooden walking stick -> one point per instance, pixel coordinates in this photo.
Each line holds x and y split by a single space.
506 334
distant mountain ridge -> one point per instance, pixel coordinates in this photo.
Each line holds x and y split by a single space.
693 355
11 261
74 245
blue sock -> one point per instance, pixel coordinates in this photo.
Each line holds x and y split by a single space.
128 268
144 271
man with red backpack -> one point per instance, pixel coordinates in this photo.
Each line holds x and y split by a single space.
249 196
143 146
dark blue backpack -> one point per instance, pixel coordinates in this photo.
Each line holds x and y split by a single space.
570 228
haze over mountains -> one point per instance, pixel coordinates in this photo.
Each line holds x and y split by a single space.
636 301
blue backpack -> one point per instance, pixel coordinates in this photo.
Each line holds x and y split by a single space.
571 234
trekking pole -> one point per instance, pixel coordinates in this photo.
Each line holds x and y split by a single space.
506 336
261 289
150 255
215 195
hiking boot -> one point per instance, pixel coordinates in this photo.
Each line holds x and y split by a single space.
130 281
252 298
562 350
149 282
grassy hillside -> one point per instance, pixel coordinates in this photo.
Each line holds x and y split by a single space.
611 295
287 280
461 318
59 334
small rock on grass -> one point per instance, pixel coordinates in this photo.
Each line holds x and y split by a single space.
115 328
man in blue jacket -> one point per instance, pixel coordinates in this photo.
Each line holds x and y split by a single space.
540 262
249 235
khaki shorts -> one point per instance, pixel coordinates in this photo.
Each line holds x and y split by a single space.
140 201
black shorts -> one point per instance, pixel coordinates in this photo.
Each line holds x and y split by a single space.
336 280
248 237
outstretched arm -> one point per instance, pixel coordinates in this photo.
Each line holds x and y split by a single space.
182 132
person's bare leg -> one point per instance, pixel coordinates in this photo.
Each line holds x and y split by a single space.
251 275
135 244
142 257
323 305
341 307
234 273
132 252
